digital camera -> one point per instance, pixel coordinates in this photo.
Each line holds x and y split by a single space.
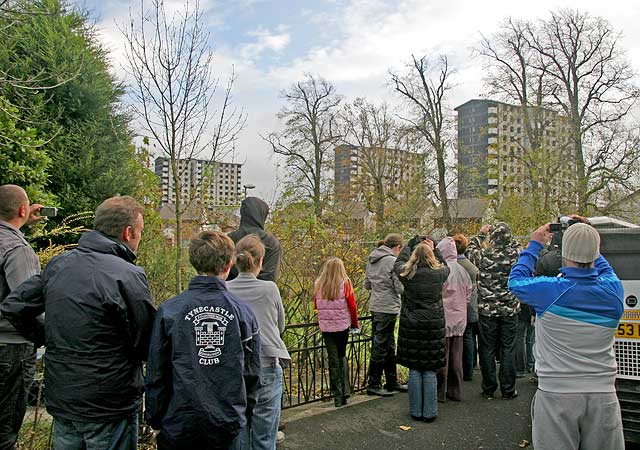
564 222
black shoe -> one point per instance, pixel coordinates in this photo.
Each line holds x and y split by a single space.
418 418
429 419
487 395
397 387
511 396
377 390
339 402
467 379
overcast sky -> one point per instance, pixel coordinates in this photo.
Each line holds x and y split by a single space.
352 43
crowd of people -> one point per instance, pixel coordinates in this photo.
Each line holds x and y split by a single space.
214 353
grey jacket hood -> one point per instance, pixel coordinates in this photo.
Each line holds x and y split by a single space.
383 282
380 253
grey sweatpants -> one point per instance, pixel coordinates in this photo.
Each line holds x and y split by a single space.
576 421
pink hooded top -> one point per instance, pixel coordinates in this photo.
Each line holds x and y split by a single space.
456 292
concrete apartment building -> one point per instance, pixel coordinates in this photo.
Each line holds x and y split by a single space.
353 169
223 188
493 146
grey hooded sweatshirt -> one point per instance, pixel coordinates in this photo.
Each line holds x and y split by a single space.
382 281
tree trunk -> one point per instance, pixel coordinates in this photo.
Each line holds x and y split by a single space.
581 176
442 188
178 249
317 193
177 183
379 206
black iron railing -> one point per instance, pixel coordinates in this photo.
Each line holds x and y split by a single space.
306 379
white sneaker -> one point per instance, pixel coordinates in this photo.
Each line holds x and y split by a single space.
279 437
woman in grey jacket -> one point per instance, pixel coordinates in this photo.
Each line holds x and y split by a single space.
263 297
384 306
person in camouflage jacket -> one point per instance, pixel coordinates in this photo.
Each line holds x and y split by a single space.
494 252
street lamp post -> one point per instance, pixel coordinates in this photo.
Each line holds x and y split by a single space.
247 187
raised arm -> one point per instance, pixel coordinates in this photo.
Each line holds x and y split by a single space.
402 259
539 292
23 309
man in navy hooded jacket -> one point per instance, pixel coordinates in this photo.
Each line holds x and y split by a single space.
204 358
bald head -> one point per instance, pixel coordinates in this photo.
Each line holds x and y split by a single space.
12 198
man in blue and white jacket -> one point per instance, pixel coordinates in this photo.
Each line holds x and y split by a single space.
576 406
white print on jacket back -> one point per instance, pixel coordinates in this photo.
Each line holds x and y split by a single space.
210 324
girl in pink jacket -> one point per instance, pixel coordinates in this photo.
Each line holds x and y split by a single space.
456 294
337 311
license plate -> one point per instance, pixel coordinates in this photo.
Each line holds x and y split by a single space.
628 330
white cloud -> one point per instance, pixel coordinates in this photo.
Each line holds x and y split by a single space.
360 41
265 40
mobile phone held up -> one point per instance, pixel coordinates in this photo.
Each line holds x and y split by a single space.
48 211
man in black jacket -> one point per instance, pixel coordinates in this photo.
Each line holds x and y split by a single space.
99 316
204 360
253 215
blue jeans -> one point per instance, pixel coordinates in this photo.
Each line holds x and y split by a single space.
73 435
469 350
423 394
266 413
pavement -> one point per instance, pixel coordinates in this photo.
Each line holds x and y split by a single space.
373 423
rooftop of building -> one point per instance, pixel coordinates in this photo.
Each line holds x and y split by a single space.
465 208
492 102
207 161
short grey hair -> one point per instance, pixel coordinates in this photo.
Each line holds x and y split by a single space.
115 214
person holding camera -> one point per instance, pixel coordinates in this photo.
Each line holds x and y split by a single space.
494 252
577 316
18 262
421 335
456 295
99 315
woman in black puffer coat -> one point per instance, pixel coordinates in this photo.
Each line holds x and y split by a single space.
421 337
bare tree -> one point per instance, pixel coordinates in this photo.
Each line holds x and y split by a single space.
516 74
591 81
311 132
170 63
380 144
424 87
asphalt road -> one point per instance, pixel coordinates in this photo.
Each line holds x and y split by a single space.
475 423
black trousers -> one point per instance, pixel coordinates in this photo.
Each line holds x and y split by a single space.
497 332
17 365
336 344
383 350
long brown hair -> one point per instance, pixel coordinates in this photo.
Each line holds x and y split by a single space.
422 256
249 251
328 284
391 240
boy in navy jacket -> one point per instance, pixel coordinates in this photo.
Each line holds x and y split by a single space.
204 358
